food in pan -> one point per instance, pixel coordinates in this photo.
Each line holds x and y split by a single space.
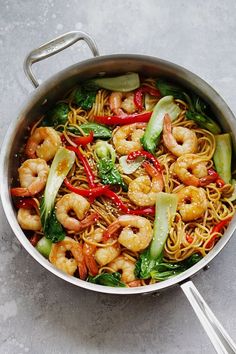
125 181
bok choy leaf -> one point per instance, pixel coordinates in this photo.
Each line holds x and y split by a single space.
61 165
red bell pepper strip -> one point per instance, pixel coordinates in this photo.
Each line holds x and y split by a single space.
83 140
138 95
89 193
87 168
133 155
80 140
122 120
138 99
216 230
26 203
219 181
213 176
116 199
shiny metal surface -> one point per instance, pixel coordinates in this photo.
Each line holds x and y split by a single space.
53 47
50 91
53 89
220 339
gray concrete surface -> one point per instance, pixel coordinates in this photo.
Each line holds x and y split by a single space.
42 314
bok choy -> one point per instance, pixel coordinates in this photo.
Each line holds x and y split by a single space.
166 105
197 109
107 170
123 83
61 165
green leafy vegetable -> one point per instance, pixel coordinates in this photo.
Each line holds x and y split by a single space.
84 96
147 267
44 246
222 156
197 108
61 165
107 170
107 279
58 115
166 206
154 128
99 130
203 121
123 83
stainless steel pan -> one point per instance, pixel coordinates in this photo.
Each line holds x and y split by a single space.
48 93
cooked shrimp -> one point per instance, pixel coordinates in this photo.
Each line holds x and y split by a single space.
143 190
71 202
192 203
29 219
120 101
101 255
104 255
190 170
33 175
43 143
181 140
136 233
127 138
126 266
58 257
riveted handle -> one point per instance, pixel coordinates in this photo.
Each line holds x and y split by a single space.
53 47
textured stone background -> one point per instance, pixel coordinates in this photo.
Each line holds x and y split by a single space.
42 314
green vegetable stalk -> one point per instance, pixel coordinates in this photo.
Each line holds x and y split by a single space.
44 246
123 83
107 170
197 108
222 156
61 165
166 206
166 105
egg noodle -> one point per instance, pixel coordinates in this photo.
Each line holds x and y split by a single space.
185 237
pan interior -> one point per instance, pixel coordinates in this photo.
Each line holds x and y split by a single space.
54 89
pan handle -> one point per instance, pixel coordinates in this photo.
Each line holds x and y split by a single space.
54 46
220 339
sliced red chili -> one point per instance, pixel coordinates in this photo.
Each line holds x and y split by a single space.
83 140
118 202
138 99
133 155
26 203
219 181
85 163
138 95
212 177
123 120
216 230
93 192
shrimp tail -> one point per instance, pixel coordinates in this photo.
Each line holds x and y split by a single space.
82 271
91 264
20 192
89 220
112 228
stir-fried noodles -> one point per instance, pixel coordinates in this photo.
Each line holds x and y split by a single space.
140 191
